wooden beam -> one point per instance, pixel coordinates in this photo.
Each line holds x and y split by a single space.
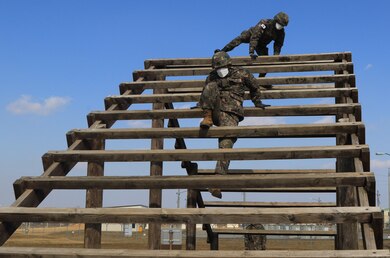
330 57
193 215
280 80
269 204
94 198
296 110
194 97
267 171
275 232
281 189
151 74
156 169
33 252
347 237
208 154
258 131
193 182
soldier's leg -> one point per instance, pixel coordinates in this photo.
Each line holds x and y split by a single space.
222 166
209 102
255 242
226 119
243 38
209 96
263 51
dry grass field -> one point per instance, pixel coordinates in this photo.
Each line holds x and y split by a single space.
73 237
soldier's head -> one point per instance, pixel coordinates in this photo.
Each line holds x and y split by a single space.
281 20
221 62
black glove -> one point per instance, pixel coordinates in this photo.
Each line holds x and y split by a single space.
260 104
217 50
253 56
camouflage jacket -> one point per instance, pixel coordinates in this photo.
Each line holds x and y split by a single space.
263 33
232 89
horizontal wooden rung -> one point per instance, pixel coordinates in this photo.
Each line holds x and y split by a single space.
33 252
152 73
315 152
269 94
296 110
280 80
260 131
329 57
269 204
193 182
275 232
192 215
268 171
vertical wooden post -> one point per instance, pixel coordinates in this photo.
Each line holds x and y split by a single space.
190 227
347 233
378 225
156 169
94 199
214 242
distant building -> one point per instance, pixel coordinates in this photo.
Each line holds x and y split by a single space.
127 229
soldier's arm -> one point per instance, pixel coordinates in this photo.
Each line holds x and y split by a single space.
257 31
251 83
278 44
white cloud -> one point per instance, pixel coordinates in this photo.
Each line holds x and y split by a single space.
25 105
325 120
262 121
380 164
368 67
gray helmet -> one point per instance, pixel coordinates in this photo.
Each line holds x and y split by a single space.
281 18
220 59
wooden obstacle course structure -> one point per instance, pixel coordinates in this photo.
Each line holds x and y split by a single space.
351 180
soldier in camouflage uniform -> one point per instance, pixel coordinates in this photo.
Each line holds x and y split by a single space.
261 35
221 101
255 242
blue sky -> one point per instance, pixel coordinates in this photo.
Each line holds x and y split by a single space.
59 59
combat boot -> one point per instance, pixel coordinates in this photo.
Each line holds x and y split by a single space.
216 192
207 121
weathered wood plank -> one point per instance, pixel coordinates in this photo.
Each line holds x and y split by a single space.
94 198
208 154
193 182
267 171
275 232
298 110
156 169
260 131
269 204
192 215
330 57
194 97
33 252
151 74
281 189
280 80
289 87
347 237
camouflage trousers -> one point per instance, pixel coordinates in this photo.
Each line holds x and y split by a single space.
211 100
255 242
226 119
